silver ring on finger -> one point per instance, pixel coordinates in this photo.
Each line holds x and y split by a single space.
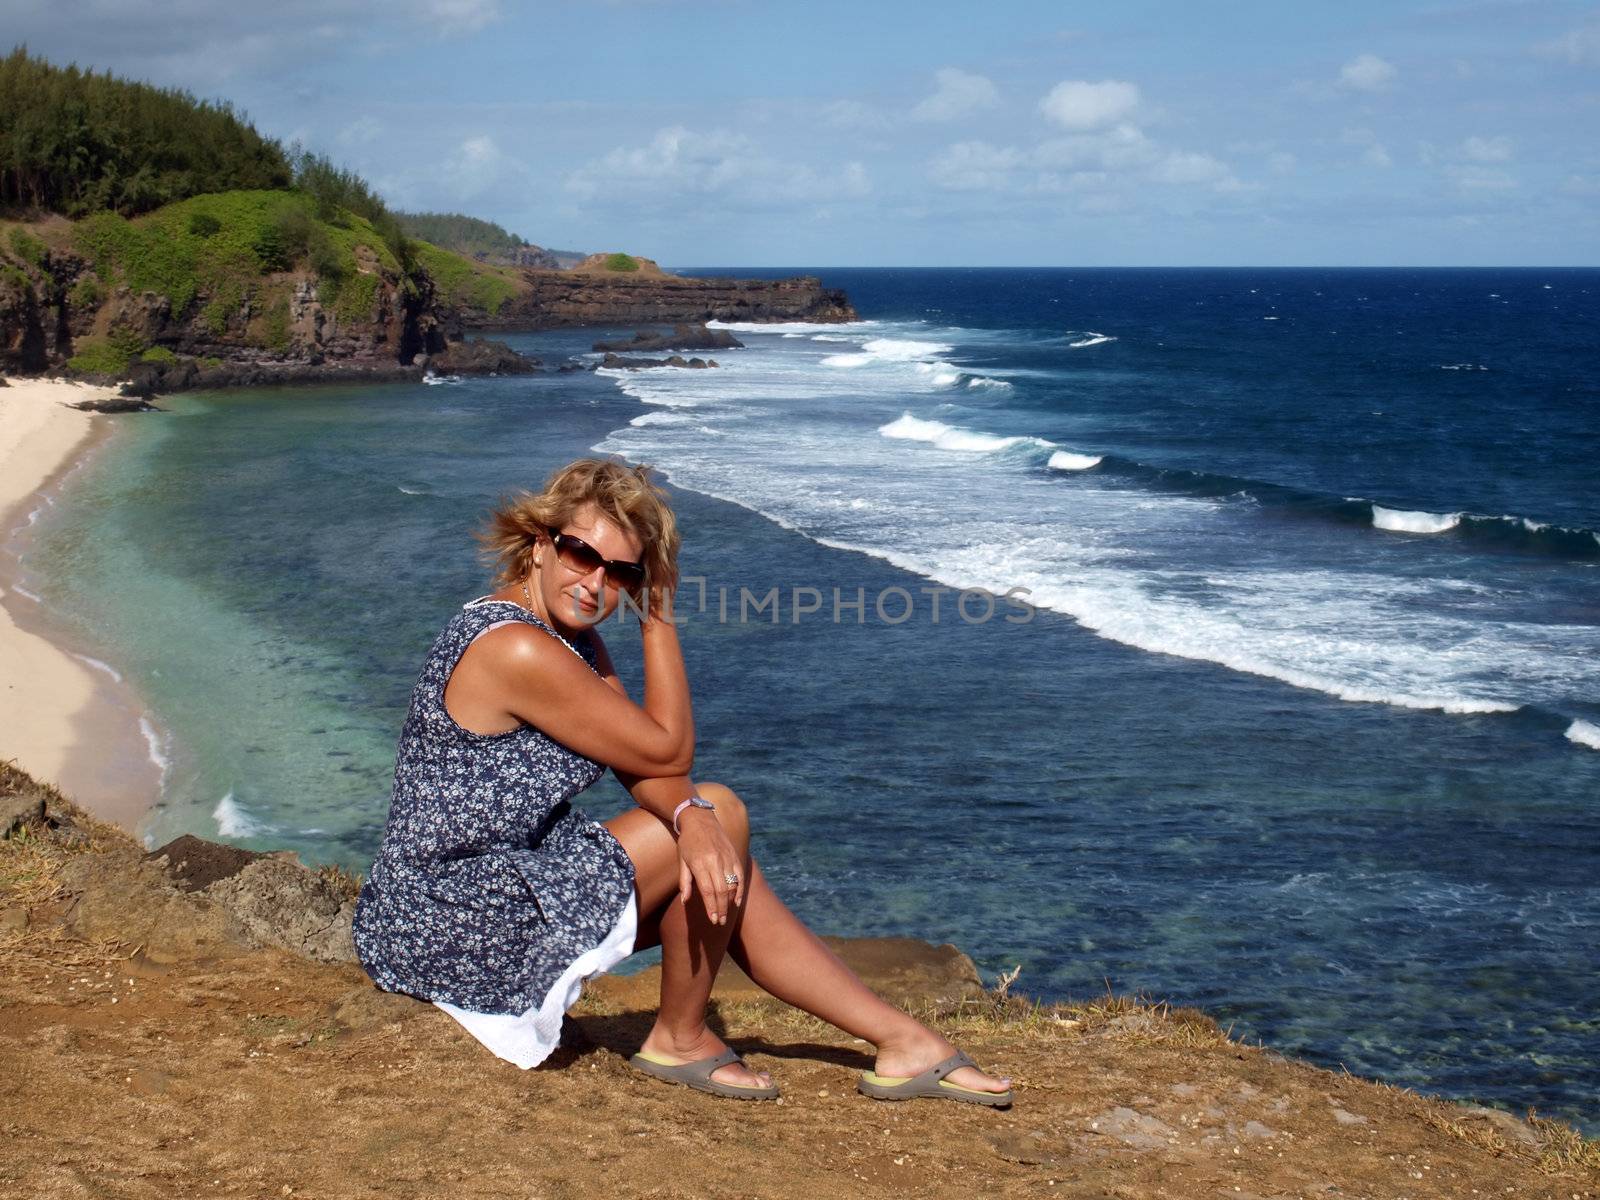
731 879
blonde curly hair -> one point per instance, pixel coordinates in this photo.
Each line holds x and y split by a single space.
628 497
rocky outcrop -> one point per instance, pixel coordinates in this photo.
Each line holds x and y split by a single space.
616 362
480 356
682 337
566 299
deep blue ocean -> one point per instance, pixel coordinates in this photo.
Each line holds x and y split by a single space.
1292 712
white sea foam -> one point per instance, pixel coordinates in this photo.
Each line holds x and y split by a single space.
103 667
234 821
830 337
155 744
1584 733
983 381
794 335
1398 520
1090 338
948 437
939 374
858 359
1462 367
411 491
903 349
1066 460
439 380
660 418
22 591
788 326
1119 560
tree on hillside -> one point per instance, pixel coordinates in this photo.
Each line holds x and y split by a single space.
461 233
76 142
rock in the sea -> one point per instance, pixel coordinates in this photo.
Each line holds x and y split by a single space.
616 362
480 356
682 337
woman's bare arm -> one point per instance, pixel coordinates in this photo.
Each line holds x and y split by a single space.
543 683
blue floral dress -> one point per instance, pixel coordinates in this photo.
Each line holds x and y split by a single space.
491 893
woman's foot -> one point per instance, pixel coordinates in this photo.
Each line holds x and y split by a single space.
704 1044
925 1048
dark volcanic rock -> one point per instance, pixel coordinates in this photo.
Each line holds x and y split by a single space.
682 337
563 299
618 363
194 863
126 403
480 356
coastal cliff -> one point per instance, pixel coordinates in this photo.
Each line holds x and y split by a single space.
251 288
597 296
189 1021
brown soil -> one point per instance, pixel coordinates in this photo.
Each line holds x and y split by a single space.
172 1061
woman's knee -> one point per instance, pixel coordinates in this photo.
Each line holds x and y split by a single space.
731 812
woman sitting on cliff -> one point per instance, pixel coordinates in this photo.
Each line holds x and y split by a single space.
494 898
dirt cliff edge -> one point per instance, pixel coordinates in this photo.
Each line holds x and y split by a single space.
189 1022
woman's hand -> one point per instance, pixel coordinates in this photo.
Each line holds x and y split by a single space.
657 606
706 858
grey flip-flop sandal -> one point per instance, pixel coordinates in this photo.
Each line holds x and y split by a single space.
931 1084
697 1075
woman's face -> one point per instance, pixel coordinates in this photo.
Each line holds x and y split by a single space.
576 599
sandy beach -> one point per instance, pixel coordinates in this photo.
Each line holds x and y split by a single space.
60 718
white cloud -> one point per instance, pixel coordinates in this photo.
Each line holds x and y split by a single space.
1580 47
1282 162
360 132
1367 73
478 165
680 162
1188 167
1122 158
975 166
1120 149
958 94
853 114
1480 179
1078 104
1486 149
1373 152
461 15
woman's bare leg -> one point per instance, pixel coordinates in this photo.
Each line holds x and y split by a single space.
776 950
691 946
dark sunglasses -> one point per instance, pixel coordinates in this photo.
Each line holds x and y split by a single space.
583 558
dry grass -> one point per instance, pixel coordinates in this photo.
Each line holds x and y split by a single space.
347 884
30 868
1563 1149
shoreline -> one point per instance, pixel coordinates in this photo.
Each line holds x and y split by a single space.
64 714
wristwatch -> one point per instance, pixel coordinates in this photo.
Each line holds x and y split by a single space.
695 800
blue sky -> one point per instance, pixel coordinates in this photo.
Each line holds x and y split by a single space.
733 132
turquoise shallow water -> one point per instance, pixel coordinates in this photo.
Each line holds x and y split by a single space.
1406 891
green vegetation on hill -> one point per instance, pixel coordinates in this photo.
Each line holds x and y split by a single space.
460 282
226 250
77 142
461 233
621 262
